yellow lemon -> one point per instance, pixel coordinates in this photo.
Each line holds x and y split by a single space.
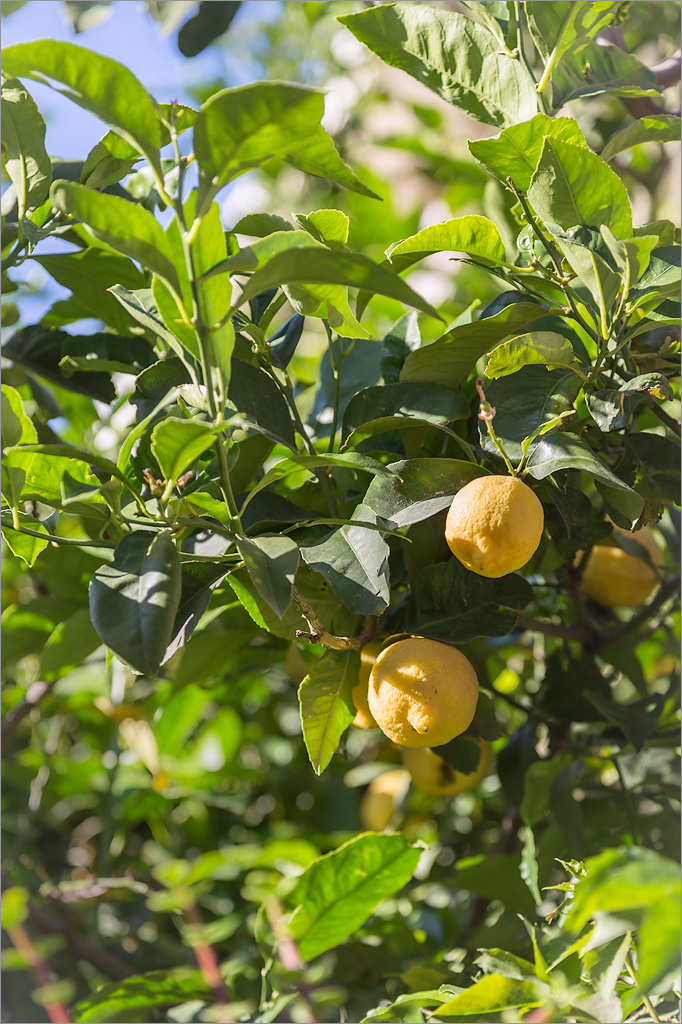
363 716
381 798
422 693
616 579
433 775
494 525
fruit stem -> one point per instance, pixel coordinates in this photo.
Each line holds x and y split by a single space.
487 414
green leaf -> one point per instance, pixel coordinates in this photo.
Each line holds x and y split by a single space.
238 129
494 993
24 156
326 704
134 599
601 67
529 865
475 235
141 307
108 161
89 274
348 460
568 451
37 473
452 356
403 337
562 29
398 406
652 128
418 488
515 152
205 26
124 226
657 467
452 55
20 544
326 266
103 86
637 720
601 282
177 444
140 994
209 248
354 560
68 646
17 428
260 403
499 961
658 942
572 185
14 906
318 156
529 402
272 563
199 579
337 893
543 347
452 604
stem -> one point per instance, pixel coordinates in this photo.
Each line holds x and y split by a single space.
629 809
519 11
487 414
556 258
207 961
318 633
203 334
288 953
630 968
60 540
19 937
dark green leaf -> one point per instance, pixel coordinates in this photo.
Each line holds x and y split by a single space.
355 562
515 152
452 55
327 707
198 581
418 488
117 1000
497 878
134 599
397 406
101 85
637 720
568 451
652 128
657 467
455 605
68 646
361 368
41 351
260 402
24 156
452 356
403 337
337 893
272 563
209 22
601 67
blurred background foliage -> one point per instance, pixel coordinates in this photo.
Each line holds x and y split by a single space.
108 775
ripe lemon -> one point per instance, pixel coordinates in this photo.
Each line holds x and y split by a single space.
363 716
381 798
616 579
433 775
422 693
494 525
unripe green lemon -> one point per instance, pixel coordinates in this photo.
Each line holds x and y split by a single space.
494 525
422 693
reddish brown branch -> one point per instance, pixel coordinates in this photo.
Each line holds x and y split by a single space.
21 941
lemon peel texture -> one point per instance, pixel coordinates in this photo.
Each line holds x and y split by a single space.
494 525
422 693
363 716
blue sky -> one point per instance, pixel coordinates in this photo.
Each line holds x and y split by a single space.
132 37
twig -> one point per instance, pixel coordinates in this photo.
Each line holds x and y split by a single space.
629 967
601 640
663 416
21 941
550 629
487 414
207 961
288 953
318 633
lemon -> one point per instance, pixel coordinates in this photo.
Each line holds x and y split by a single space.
433 775
494 525
381 798
422 693
616 579
363 716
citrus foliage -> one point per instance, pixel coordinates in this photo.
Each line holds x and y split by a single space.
267 515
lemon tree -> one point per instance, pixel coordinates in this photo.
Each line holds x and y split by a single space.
340 508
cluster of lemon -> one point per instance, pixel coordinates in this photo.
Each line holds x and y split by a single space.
422 693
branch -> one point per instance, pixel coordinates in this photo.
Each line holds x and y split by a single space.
35 693
318 632
288 953
601 640
550 629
